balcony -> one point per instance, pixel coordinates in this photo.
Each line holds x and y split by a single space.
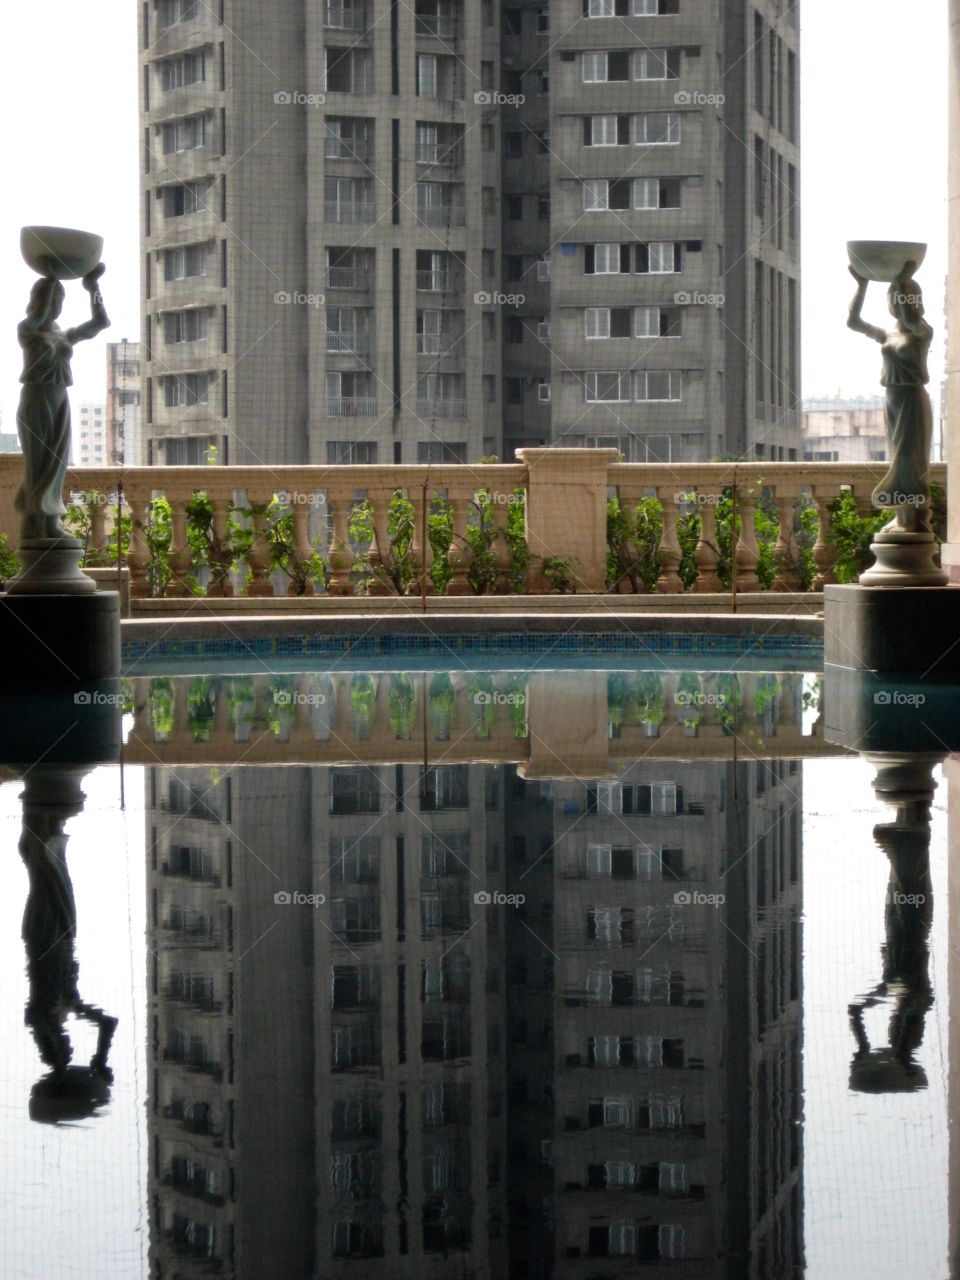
439 282
448 215
440 153
441 408
347 149
351 406
348 211
348 344
439 26
344 15
356 278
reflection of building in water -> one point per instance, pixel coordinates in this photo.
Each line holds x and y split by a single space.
655 1099
322 1075
407 1079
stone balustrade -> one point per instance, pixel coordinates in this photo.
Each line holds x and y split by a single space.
558 724
564 492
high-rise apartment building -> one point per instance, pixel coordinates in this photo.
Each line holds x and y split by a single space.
380 232
124 442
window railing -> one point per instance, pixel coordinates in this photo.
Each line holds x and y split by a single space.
447 215
445 408
351 406
346 149
439 281
441 26
348 344
344 16
348 211
348 278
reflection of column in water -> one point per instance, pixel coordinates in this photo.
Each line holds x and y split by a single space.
906 783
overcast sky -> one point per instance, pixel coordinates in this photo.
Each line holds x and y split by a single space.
874 105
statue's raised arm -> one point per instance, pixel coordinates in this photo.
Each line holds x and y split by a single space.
99 320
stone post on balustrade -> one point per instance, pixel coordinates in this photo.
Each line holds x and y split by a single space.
567 513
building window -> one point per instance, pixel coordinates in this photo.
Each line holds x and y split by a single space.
185 326
186 389
606 67
187 134
656 128
188 68
189 260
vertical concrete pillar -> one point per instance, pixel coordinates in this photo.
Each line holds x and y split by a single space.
567 512
951 549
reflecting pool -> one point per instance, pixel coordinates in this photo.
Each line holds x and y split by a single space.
518 973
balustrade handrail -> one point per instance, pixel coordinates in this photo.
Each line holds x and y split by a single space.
565 509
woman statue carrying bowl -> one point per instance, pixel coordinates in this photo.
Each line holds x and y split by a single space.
43 416
909 417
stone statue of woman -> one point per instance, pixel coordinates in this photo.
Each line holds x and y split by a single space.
904 488
43 416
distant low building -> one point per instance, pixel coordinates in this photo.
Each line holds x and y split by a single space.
844 430
90 449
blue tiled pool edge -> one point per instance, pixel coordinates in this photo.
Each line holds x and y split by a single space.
575 638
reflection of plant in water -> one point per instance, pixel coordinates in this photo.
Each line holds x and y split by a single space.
160 705
689 695
649 695
126 697
480 691
363 703
9 564
729 701
403 707
618 696
201 696
241 700
441 700
516 691
766 693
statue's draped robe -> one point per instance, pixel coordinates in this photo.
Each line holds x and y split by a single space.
909 426
43 424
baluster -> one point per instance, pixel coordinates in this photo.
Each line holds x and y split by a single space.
501 548
181 560
824 551
708 556
670 552
458 556
258 557
747 554
785 552
421 555
380 549
628 580
138 553
340 553
302 549
97 542
220 555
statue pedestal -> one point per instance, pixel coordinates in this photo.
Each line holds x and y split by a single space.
904 559
50 565
905 630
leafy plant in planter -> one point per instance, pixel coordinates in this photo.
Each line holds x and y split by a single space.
241 702
157 532
689 694
395 564
300 572
518 702
480 535
559 573
729 702
516 534
440 537
649 695
481 693
619 695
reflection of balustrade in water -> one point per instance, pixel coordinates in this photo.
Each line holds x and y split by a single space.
584 722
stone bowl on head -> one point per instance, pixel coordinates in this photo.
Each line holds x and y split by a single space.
60 251
883 260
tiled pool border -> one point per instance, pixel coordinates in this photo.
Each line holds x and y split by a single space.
783 637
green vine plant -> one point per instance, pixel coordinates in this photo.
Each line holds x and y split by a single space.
402 707
560 574
157 532
9 564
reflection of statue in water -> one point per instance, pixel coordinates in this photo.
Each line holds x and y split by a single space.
908 916
43 416
49 932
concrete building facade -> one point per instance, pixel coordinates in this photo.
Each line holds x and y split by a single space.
92 434
124 440
844 430
399 233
